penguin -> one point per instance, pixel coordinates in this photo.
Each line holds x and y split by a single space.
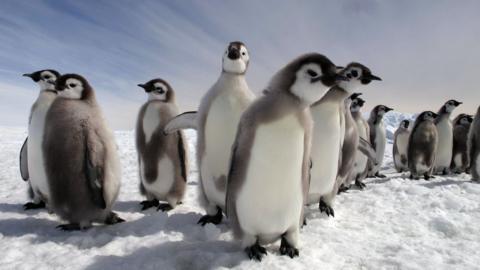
32 166
360 167
445 137
81 159
378 138
461 127
422 146
400 146
335 138
216 123
474 147
162 159
271 157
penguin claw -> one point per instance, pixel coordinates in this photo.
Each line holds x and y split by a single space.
164 207
31 206
113 218
217 219
287 249
324 207
379 175
343 188
149 204
256 252
360 184
69 227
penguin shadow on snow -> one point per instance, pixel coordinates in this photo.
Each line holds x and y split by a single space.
18 208
444 182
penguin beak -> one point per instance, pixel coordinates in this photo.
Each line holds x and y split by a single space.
371 77
339 77
28 75
387 109
355 95
141 85
458 103
233 53
435 115
407 123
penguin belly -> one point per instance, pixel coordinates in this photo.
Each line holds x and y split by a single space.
326 144
361 160
444 145
380 142
164 181
402 145
270 200
220 131
36 163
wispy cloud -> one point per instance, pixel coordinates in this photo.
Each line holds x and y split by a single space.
426 51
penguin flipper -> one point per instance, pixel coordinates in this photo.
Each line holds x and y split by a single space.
186 120
24 161
94 170
366 148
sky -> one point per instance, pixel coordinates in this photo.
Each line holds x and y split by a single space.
425 51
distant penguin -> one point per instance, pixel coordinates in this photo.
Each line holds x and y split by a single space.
216 123
331 132
378 138
360 168
400 146
445 137
422 146
162 158
268 178
461 126
81 159
32 165
474 147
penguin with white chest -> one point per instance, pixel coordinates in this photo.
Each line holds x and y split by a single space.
474 147
331 161
378 138
162 158
32 165
461 127
360 168
216 123
269 169
81 159
400 146
422 146
445 137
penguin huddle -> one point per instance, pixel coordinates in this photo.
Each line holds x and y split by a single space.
436 145
261 160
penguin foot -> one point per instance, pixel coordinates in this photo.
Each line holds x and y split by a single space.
164 207
113 218
211 219
379 175
287 249
304 222
360 184
428 177
324 207
343 188
149 204
31 205
256 252
69 227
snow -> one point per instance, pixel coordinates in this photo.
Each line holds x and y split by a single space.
395 223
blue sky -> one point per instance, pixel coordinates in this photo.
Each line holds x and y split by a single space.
426 51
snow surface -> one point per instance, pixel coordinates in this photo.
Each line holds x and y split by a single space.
395 223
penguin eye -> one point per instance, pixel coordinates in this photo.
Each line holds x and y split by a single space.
72 85
47 77
354 73
312 73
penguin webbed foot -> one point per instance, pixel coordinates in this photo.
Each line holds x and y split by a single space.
31 206
360 184
287 249
164 207
379 175
343 188
327 209
113 218
216 219
149 204
70 227
428 177
256 252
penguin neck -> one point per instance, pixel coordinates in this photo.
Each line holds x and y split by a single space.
375 118
232 79
356 114
335 94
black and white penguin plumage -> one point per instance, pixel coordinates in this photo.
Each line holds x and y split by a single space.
378 138
461 127
474 147
444 126
81 159
269 170
360 167
162 158
32 165
400 146
422 146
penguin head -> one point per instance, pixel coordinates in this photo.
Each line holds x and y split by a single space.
307 77
44 78
451 105
427 116
357 104
405 124
236 58
464 119
73 86
358 75
381 110
158 89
